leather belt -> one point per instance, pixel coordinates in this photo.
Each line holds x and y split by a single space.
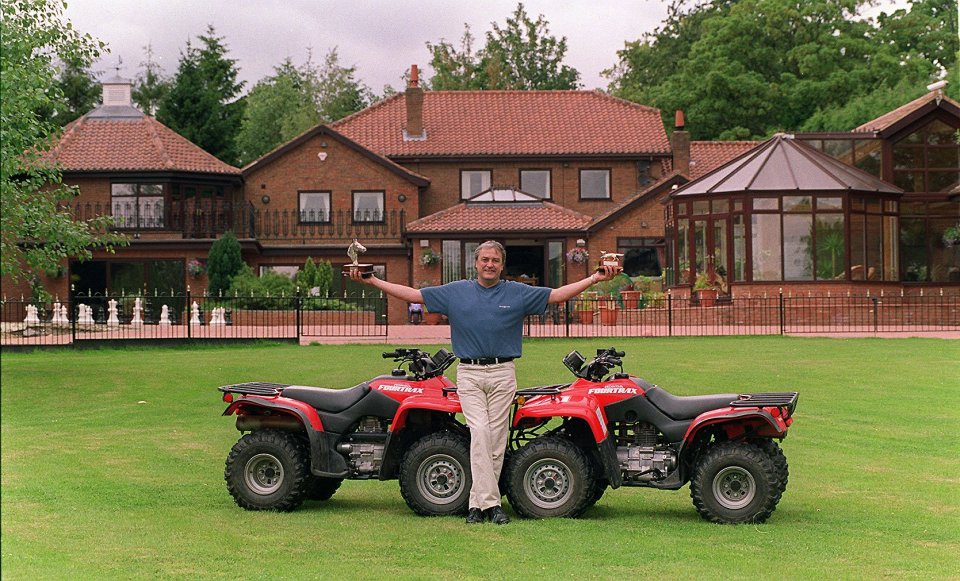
486 360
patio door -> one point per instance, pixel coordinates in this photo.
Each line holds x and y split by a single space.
711 247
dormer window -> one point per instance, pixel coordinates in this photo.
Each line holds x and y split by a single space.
474 181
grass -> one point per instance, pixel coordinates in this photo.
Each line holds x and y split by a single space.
112 467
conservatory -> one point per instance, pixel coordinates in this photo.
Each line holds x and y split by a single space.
784 212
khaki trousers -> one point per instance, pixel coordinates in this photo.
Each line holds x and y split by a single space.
486 393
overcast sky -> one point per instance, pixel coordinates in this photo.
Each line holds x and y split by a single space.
382 38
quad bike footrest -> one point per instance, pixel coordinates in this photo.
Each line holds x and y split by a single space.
787 399
255 388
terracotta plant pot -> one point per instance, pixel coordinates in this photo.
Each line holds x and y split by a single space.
586 317
631 299
432 318
707 297
608 314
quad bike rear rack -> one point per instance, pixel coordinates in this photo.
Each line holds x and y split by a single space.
255 388
787 399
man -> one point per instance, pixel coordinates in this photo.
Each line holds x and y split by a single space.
486 330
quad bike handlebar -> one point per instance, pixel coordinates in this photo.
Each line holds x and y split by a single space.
420 363
598 367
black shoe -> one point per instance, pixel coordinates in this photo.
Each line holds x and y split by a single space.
497 516
474 516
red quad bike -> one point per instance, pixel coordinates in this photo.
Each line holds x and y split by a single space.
304 441
619 430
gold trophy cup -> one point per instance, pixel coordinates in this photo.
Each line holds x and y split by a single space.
354 250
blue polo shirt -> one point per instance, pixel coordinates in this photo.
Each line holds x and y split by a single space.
486 322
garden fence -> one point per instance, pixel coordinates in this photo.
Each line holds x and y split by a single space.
187 317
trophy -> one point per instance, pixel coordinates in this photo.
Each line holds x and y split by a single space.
354 250
609 259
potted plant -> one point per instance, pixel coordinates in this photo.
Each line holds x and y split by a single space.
608 292
707 290
632 294
430 258
586 303
194 268
578 255
951 236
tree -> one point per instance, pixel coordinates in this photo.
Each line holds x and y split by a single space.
521 55
203 103
224 261
749 68
338 93
295 99
150 86
455 70
37 230
81 91
278 108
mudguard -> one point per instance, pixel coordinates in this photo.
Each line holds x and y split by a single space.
394 449
739 422
583 407
324 461
428 401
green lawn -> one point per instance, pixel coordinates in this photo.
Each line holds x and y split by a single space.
112 467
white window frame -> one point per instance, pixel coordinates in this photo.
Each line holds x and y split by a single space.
546 195
467 177
322 211
606 174
378 215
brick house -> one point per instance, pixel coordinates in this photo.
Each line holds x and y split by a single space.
422 177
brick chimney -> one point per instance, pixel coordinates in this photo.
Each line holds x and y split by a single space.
680 144
414 130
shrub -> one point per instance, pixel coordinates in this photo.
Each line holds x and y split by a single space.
270 291
223 263
315 279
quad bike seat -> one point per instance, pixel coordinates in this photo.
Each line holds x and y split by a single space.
328 400
687 407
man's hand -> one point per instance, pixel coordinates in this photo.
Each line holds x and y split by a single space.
357 276
606 273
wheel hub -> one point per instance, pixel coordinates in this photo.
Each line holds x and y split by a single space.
263 474
549 483
440 479
734 487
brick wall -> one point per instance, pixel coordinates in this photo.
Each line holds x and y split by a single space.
444 189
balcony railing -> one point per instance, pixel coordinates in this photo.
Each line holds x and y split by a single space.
210 218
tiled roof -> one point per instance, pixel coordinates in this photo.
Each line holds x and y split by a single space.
478 123
281 150
887 120
130 143
494 217
783 164
706 156
659 188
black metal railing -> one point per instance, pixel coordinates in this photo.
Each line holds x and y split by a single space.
210 218
188 317
754 315
191 317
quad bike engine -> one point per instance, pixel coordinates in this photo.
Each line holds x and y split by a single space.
640 458
364 448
